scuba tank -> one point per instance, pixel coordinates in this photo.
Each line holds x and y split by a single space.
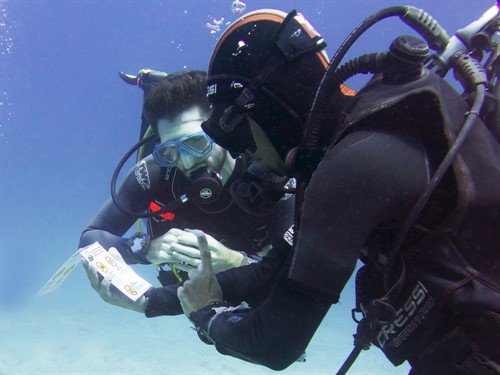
409 60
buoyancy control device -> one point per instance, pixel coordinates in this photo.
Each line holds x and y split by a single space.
473 55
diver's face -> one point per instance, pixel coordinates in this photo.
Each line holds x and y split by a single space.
185 161
191 148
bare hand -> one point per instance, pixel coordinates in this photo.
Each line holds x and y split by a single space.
202 288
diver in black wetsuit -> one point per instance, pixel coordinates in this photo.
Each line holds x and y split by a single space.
186 182
437 304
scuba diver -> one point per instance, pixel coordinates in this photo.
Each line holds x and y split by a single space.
186 182
404 177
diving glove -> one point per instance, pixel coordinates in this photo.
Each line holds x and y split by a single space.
187 255
160 249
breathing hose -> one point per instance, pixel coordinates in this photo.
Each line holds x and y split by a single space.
115 177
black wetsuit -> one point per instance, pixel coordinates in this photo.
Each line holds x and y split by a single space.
149 186
350 197
355 202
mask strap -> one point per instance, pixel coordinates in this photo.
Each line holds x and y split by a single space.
293 39
297 37
274 62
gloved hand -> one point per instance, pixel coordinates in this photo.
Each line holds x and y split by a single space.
111 294
159 250
202 288
187 255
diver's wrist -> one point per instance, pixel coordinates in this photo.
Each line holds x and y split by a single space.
246 259
139 245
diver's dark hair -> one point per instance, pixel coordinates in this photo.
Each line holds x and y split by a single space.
176 93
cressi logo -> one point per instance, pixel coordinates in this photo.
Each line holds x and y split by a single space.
212 89
142 175
408 317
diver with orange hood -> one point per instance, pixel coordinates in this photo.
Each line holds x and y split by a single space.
403 177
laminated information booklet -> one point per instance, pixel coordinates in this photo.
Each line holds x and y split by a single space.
122 276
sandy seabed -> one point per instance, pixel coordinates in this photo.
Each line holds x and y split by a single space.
68 333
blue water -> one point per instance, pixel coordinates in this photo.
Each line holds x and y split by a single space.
66 120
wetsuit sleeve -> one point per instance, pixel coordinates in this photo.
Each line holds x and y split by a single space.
275 334
364 180
250 283
110 223
163 301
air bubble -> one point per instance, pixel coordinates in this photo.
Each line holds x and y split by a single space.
214 26
238 6
6 42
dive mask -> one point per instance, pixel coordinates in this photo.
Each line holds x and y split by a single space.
196 144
